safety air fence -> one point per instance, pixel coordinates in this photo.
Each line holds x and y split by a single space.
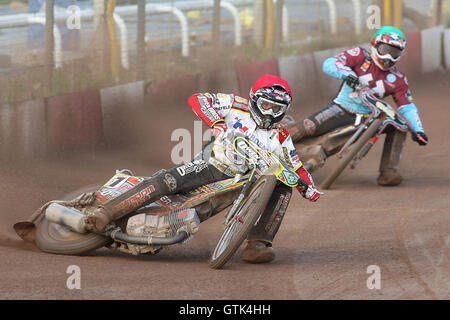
102 117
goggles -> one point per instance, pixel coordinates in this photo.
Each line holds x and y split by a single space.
269 107
389 52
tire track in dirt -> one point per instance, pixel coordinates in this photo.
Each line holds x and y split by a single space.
323 249
414 242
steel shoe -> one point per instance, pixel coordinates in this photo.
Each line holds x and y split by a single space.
258 251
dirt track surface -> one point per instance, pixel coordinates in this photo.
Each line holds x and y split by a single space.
323 249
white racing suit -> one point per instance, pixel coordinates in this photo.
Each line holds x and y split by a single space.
231 113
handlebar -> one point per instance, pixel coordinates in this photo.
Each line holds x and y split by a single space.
361 86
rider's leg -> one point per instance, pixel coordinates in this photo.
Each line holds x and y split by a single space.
259 241
320 122
390 159
182 178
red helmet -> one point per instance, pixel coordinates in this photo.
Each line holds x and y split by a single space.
270 99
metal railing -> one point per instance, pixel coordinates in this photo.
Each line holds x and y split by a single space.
25 20
178 9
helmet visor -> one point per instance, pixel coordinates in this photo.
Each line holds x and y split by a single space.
388 50
268 107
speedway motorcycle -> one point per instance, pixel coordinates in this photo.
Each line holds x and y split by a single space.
352 143
60 226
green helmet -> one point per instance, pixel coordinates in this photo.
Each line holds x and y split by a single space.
388 44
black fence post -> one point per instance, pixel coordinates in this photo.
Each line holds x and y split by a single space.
278 25
140 61
216 23
49 44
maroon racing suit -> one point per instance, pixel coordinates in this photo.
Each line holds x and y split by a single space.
343 108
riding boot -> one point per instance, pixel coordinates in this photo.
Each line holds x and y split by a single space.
149 190
297 131
390 159
259 241
322 121
258 251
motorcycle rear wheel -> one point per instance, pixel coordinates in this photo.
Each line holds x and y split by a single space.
353 150
54 238
246 217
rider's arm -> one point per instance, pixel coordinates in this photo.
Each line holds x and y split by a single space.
290 156
342 65
406 107
336 69
205 107
411 113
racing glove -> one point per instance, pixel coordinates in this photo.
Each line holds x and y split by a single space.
351 80
311 193
420 137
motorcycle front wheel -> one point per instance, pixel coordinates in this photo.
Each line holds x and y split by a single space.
352 151
247 216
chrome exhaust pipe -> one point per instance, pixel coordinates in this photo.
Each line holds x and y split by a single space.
66 216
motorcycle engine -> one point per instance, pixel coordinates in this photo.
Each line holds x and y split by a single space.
167 225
